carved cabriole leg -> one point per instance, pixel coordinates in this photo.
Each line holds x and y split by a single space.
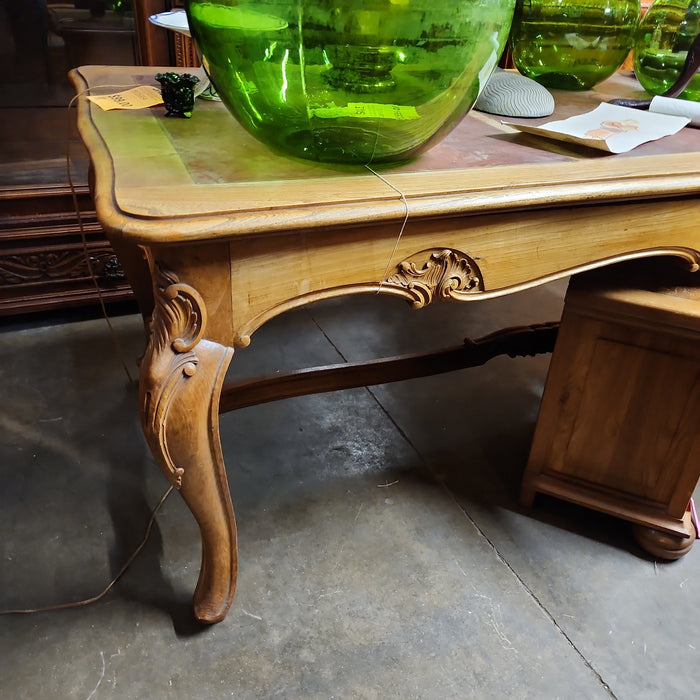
180 384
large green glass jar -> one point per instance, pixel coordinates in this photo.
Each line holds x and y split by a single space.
661 46
572 44
349 80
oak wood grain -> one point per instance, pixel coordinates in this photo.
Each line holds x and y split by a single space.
235 234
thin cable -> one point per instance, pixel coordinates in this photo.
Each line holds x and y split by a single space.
154 512
83 236
403 224
94 599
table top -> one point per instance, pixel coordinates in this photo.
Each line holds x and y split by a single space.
168 179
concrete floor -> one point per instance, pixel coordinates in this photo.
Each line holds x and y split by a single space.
382 550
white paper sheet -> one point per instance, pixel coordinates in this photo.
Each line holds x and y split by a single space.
609 128
680 108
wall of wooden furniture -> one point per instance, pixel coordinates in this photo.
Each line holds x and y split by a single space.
43 264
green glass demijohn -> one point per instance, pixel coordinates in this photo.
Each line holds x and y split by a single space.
572 44
353 81
661 46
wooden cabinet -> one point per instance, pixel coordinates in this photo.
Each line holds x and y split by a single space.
618 425
44 262
42 252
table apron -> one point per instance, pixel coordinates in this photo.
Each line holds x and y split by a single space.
245 281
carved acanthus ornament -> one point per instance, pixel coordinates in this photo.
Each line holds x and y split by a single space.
178 322
59 265
436 275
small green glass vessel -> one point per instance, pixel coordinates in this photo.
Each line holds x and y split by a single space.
572 45
661 46
354 81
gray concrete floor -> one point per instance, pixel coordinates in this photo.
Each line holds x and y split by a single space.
382 550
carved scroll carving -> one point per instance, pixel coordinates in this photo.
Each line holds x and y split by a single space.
178 322
436 275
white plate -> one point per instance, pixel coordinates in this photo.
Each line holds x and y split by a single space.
176 21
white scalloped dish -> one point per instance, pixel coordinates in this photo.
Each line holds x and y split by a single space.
175 20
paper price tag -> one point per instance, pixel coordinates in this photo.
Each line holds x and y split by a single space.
134 98
367 110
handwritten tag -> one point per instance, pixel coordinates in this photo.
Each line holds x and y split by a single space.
134 98
367 110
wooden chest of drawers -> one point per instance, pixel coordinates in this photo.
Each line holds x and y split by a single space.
618 425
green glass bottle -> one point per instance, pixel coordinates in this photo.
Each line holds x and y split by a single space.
661 45
572 44
354 81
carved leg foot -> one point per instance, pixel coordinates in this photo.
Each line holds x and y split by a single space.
180 385
665 546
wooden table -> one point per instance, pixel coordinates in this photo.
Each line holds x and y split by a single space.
233 235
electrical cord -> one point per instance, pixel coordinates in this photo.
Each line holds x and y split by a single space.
154 512
83 237
103 593
403 223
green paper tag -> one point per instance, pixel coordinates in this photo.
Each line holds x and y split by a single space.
367 110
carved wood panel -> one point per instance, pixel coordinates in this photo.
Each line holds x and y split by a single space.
43 264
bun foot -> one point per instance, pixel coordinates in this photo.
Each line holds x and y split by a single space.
663 545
